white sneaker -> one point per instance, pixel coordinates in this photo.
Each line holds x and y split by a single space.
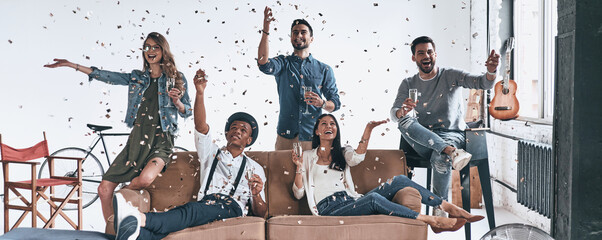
123 210
460 158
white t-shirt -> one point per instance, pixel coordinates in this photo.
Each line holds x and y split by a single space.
329 180
225 171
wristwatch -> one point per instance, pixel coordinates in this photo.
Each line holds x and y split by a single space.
324 105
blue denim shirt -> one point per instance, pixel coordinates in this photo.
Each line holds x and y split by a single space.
291 73
138 82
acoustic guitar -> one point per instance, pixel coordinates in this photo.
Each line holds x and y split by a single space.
504 105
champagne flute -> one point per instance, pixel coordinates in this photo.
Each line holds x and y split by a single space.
298 148
413 93
170 83
306 90
250 174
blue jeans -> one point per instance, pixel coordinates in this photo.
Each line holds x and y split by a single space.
430 144
377 201
212 207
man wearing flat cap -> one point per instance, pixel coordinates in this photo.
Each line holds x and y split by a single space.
229 180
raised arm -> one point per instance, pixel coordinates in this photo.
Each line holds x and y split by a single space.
363 144
200 114
492 61
66 63
298 189
260 208
264 50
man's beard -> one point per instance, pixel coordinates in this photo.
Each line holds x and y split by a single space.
427 71
301 47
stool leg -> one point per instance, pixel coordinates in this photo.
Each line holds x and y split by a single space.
429 173
465 180
487 194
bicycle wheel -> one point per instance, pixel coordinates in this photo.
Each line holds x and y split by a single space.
92 172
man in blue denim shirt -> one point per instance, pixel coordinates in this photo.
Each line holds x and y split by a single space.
294 73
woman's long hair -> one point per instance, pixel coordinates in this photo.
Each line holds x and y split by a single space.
336 152
168 65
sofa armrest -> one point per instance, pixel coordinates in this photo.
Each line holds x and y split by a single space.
139 199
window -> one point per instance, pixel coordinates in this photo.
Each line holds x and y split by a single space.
535 31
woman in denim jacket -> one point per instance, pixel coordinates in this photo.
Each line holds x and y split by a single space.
324 174
156 96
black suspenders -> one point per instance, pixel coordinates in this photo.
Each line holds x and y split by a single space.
238 176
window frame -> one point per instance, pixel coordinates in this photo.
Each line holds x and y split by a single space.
547 31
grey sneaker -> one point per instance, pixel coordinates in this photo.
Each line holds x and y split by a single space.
460 158
438 212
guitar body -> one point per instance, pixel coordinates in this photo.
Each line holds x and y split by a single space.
504 105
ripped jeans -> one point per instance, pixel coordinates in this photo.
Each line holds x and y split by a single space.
430 144
377 201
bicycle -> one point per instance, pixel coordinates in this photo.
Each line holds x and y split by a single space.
92 168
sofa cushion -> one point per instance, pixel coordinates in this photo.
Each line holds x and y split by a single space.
356 227
54 234
178 185
232 228
280 193
377 167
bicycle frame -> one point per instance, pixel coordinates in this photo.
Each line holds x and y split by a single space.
99 138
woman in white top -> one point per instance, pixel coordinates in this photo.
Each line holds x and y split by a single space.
326 170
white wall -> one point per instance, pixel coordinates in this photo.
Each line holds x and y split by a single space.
370 45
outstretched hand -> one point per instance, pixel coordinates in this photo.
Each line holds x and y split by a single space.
372 124
59 63
200 81
492 61
267 18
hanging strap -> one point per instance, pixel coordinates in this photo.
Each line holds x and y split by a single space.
241 170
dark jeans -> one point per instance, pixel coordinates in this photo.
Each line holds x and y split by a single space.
377 201
212 207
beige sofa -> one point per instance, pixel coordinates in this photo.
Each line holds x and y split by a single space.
288 218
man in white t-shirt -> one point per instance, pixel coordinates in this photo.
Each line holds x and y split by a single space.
229 180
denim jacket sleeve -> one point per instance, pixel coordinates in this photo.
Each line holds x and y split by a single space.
185 100
110 77
273 66
329 88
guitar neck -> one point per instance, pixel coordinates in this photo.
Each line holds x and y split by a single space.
507 72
